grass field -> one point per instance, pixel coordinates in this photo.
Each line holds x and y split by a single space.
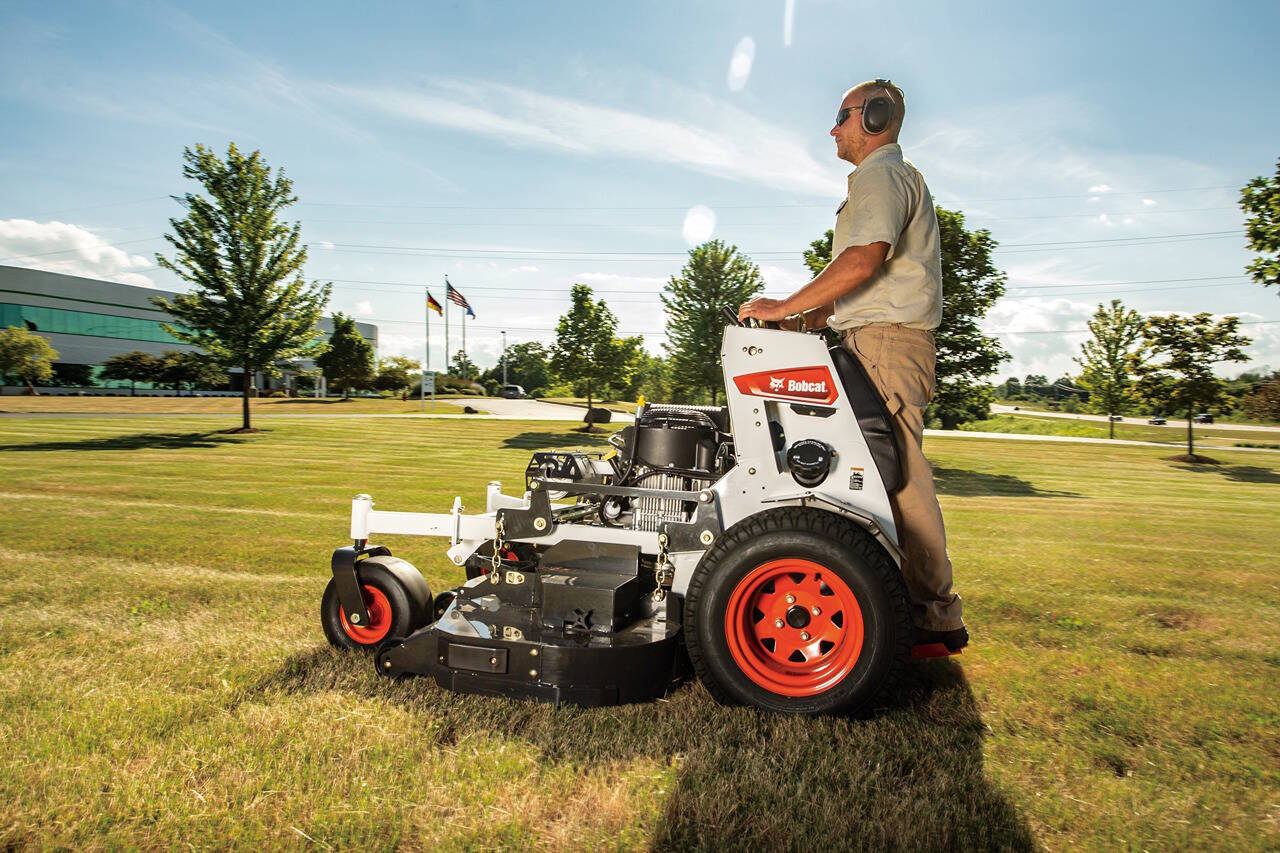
1205 436
164 681
231 405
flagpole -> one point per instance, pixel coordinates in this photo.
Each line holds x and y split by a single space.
464 343
426 361
446 324
422 380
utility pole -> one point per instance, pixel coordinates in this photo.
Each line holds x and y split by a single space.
504 357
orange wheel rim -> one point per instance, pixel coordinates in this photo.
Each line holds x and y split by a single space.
794 627
375 601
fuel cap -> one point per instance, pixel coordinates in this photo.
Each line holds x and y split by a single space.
809 461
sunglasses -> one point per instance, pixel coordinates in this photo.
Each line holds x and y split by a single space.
843 115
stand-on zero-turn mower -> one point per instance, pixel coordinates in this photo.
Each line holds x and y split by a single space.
758 537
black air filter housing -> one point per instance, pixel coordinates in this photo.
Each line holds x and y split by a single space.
676 439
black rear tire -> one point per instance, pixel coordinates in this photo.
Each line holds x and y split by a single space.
836 552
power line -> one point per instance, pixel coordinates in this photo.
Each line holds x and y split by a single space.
672 225
491 286
739 206
1119 239
610 255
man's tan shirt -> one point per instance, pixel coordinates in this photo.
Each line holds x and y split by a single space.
888 202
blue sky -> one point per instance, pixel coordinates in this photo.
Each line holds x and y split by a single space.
520 148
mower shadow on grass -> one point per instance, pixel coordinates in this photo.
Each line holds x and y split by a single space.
967 484
552 440
134 441
910 776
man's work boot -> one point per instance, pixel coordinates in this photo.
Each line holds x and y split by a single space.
939 644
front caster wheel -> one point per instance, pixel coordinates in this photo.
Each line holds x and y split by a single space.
395 611
799 611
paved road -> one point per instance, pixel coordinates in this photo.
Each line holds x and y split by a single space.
496 407
1173 423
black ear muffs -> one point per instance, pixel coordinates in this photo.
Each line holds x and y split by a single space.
877 112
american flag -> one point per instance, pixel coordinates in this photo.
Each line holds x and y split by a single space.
453 295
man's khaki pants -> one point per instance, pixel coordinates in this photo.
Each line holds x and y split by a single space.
900 362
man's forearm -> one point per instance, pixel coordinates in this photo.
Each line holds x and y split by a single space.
847 271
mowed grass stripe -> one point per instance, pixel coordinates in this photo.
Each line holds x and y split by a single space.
163 679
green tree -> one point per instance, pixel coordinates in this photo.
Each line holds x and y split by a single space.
1012 387
397 374
818 255
528 365
1175 367
193 369
132 367
1264 403
348 361
462 366
971 284
585 351
1108 359
629 355
251 307
1260 200
716 278
27 356
650 379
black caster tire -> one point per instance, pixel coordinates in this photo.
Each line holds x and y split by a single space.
395 600
845 634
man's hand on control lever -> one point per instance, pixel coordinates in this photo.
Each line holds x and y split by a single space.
815 300
764 309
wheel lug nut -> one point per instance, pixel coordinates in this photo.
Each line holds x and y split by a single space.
791 599
816 610
777 623
804 635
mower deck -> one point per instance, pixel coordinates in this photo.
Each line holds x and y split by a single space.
500 640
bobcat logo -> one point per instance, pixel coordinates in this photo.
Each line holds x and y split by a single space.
776 383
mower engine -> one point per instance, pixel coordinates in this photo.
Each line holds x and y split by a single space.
668 449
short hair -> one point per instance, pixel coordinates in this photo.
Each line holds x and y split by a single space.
894 93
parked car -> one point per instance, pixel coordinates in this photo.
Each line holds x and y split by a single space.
1204 418
511 392
1157 421
1117 418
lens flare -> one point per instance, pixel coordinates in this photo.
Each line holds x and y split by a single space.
740 65
699 224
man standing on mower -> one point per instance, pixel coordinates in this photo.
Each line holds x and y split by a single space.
882 292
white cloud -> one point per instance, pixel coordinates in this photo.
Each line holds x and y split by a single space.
1099 188
1037 332
64 248
784 280
322 244
744 54
1094 198
788 21
697 131
613 276
1149 202
525 268
364 308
